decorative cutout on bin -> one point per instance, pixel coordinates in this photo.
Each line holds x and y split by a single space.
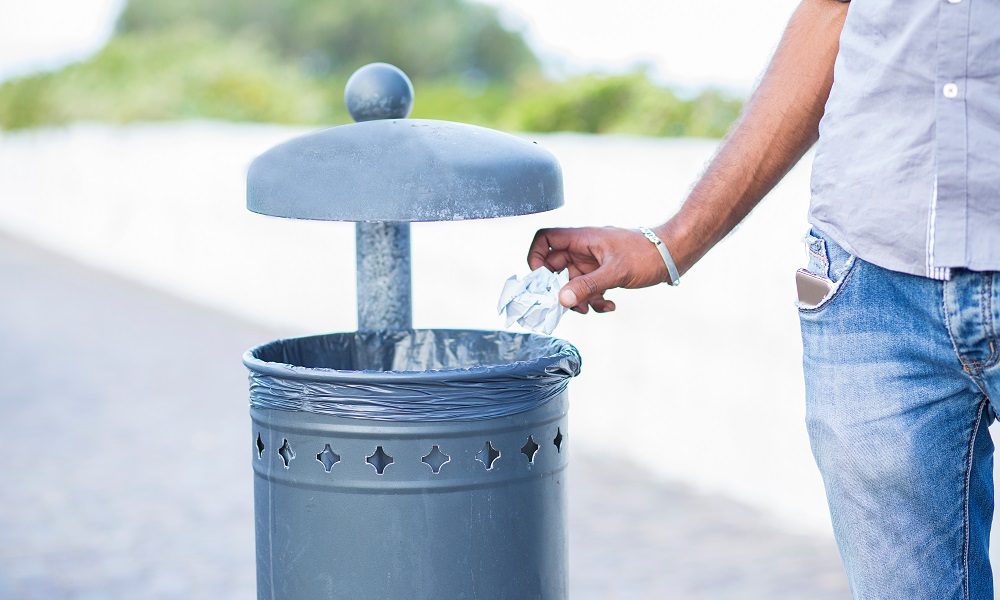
260 446
488 455
286 453
558 440
529 449
435 459
380 460
328 457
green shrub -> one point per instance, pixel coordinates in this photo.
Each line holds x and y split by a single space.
619 104
184 73
429 39
458 101
193 71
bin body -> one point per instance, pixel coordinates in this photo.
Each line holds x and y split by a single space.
384 508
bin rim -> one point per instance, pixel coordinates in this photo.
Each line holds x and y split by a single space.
566 359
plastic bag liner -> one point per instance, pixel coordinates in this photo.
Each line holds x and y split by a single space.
419 375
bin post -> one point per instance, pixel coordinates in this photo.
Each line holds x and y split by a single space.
383 272
381 91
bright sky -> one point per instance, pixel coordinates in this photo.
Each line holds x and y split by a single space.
40 34
692 44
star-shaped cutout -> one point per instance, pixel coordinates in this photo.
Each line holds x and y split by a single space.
529 449
260 446
558 440
328 457
380 460
435 459
488 455
286 453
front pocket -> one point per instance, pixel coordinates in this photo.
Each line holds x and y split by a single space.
838 286
829 261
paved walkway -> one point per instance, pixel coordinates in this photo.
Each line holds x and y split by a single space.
122 430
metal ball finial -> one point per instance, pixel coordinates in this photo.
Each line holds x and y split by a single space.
378 91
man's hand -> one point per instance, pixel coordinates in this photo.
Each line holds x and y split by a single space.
598 259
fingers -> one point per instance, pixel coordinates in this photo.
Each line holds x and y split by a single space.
544 242
602 305
539 249
557 260
587 286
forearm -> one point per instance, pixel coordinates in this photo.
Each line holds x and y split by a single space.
778 125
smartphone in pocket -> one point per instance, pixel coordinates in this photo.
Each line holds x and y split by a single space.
812 288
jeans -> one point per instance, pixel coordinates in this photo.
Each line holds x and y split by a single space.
899 373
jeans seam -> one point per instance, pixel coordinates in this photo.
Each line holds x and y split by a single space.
968 483
987 301
816 247
947 327
822 259
971 367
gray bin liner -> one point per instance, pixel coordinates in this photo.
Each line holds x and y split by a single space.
417 375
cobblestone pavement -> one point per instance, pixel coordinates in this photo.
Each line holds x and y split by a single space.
123 423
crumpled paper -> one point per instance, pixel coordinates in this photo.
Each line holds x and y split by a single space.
532 301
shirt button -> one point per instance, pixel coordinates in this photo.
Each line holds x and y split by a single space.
950 90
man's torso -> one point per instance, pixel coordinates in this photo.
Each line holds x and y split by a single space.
907 168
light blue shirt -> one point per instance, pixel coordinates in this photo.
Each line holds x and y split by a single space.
907 168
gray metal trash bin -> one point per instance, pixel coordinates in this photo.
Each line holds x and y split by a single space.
401 464
418 464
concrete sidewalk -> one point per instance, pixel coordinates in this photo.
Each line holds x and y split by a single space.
123 430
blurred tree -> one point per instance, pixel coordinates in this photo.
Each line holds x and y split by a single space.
428 39
286 61
619 104
182 73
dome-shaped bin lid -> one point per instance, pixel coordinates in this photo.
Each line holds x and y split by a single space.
404 170
415 375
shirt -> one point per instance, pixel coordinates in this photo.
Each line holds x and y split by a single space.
907 168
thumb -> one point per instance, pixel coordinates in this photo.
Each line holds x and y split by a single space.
584 286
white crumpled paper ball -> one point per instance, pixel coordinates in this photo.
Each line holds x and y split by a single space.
532 301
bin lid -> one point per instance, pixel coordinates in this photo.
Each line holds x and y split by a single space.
404 170
398 169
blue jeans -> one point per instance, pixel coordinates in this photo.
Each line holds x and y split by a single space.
899 373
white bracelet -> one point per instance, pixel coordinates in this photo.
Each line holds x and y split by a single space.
674 276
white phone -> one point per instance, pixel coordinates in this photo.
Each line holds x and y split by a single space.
812 288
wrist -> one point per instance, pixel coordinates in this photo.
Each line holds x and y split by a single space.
667 269
675 238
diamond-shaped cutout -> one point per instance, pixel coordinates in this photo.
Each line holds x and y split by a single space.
558 440
328 457
380 460
435 459
286 453
529 449
260 446
488 455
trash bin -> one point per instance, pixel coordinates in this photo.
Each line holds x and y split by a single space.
417 464
393 463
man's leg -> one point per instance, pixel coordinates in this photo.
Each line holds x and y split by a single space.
897 412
